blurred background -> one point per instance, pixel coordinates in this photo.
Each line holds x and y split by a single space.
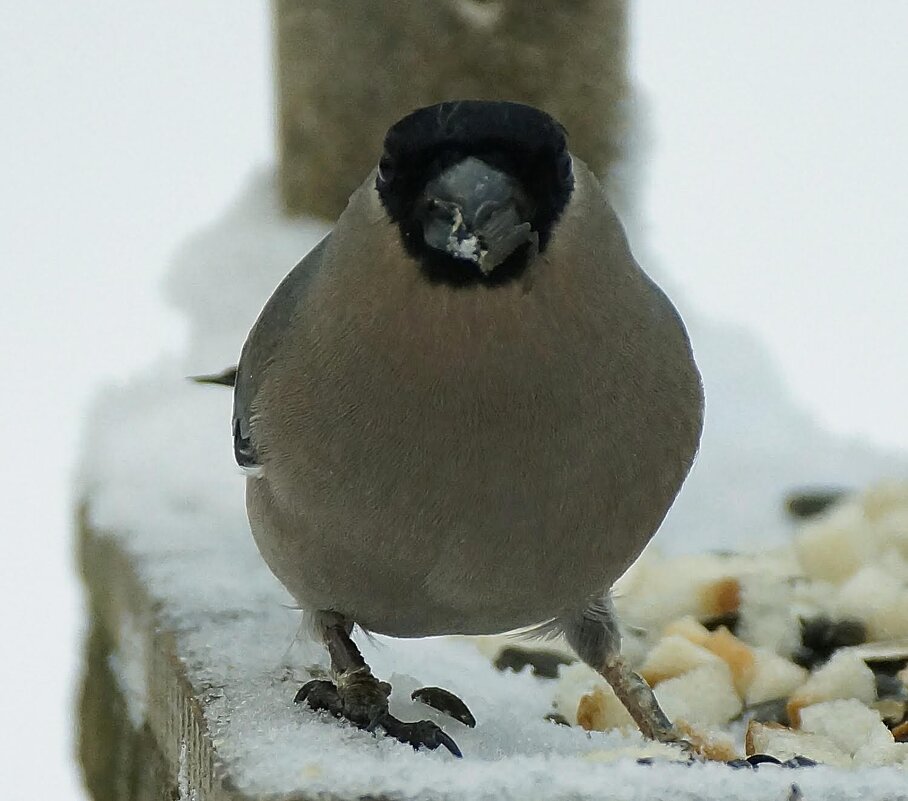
772 195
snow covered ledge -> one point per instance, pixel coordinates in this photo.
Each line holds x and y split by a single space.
134 702
196 634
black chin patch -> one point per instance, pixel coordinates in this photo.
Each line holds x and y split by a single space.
521 140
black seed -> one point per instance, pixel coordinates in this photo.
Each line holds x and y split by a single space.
799 762
763 759
886 665
557 717
730 620
890 687
806 657
543 663
739 763
804 504
847 632
824 637
815 632
775 711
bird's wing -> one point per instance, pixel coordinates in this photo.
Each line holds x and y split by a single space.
259 349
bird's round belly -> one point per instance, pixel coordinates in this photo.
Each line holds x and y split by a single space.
474 535
490 484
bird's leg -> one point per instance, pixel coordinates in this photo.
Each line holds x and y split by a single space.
364 697
639 700
594 635
358 696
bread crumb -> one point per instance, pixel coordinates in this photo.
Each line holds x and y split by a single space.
674 656
600 710
713 746
720 597
736 654
845 675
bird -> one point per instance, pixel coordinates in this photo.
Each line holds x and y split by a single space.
466 411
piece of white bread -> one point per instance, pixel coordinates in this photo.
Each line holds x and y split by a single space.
705 696
774 677
845 675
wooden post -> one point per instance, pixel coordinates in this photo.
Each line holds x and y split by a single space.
347 70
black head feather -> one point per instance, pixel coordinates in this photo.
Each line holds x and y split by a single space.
521 140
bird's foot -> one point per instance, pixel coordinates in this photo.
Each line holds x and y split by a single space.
445 702
358 697
363 700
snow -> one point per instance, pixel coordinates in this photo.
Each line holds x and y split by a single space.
159 473
184 787
129 664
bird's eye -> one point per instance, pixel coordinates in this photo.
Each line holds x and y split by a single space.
385 170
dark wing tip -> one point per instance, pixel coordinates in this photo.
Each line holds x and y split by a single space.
243 449
226 378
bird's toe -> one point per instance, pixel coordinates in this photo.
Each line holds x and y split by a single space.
319 695
445 702
421 734
363 701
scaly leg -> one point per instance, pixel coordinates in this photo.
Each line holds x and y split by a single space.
594 635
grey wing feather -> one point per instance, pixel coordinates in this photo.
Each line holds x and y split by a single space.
259 349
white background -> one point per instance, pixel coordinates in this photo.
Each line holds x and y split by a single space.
775 197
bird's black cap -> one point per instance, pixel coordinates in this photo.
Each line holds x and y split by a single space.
475 124
519 139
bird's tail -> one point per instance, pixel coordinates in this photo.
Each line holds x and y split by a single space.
226 378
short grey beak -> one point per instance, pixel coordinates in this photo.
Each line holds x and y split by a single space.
475 212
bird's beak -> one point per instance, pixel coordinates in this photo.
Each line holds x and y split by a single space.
477 213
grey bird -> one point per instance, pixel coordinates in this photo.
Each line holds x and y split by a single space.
466 410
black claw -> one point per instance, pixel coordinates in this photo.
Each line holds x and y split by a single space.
422 734
446 702
446 740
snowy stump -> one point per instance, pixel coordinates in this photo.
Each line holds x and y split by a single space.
346 71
